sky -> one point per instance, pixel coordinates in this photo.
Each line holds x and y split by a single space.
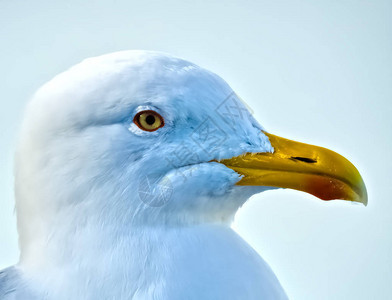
319 72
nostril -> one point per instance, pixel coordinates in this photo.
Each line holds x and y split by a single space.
304 159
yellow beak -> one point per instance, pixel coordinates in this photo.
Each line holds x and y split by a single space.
315 170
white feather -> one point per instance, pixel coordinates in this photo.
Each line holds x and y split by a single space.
87 227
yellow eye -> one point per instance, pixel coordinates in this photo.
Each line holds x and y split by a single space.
148 120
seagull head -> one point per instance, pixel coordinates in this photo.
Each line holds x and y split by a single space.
138 138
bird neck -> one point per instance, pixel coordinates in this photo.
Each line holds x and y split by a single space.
134 261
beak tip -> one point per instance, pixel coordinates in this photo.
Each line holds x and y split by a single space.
363 197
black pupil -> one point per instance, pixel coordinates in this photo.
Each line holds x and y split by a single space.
150 119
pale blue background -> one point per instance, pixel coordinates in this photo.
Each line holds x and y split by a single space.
315 71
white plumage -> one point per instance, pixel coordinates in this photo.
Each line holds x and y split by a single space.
109 211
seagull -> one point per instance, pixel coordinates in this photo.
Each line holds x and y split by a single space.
129 170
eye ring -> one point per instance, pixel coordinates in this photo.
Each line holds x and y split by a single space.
148 120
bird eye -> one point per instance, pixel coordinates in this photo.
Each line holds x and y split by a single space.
148 120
